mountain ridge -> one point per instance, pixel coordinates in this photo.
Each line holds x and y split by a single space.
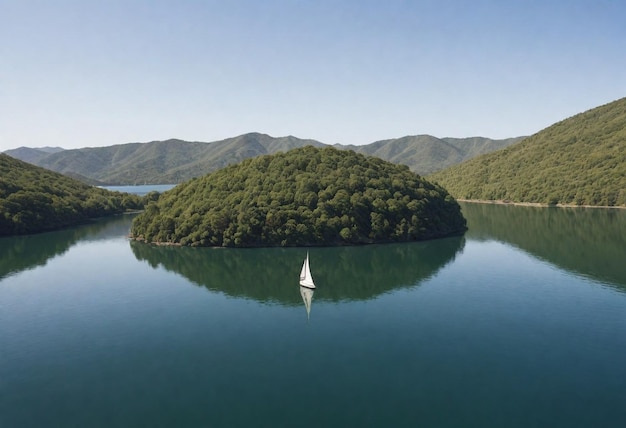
174 160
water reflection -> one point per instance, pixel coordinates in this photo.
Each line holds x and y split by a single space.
307 298
586 241
19 253
271 274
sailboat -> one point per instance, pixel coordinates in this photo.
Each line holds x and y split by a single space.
306 280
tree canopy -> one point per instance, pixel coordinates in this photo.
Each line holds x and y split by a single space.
33 199
306 196
578 161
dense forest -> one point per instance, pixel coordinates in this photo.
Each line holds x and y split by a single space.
33 199
306 196
578 161
175 161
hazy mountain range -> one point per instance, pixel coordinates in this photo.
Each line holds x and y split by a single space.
175 161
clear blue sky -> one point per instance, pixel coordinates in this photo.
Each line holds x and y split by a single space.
95 73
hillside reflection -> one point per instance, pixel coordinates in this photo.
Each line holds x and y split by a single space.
271 274
20 253
586 241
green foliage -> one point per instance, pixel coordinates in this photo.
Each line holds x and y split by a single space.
33 199
307 196
579 161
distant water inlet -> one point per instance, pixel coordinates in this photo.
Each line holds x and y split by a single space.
141 190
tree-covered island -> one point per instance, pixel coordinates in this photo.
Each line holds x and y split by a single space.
306 196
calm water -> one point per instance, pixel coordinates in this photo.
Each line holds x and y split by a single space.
521 323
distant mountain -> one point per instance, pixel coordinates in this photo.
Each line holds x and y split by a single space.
32 155
48 149
425 154
175 161
580 161
474 146
158 162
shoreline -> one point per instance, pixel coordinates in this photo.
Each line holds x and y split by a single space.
535 204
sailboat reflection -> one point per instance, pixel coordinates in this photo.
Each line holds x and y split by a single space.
307 298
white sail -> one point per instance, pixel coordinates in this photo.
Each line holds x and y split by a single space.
307 298
306 280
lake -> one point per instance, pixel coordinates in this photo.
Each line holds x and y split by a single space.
520 323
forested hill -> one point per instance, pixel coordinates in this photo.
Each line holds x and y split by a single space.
33 199
306 196
580 161
174 161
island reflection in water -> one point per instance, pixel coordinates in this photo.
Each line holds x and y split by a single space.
585 241
270 275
